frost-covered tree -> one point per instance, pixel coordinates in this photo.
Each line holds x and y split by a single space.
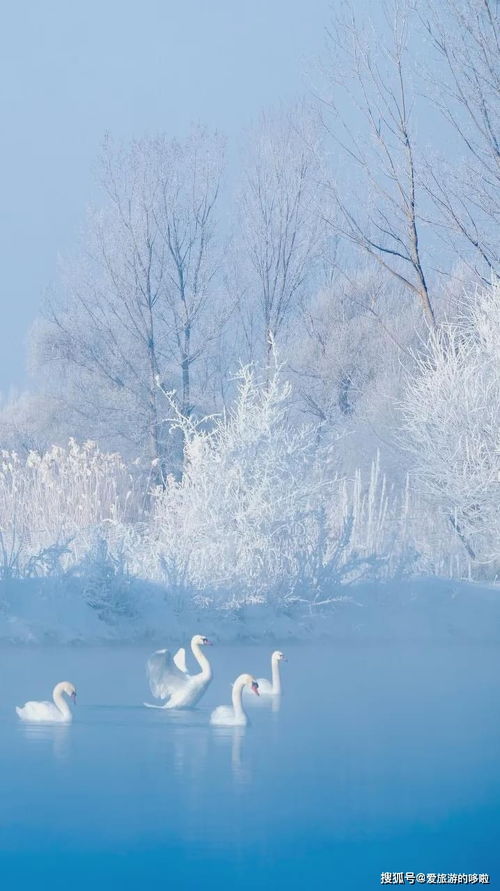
378 202
346 362
452 422
29 422
280 223
139 306
464 84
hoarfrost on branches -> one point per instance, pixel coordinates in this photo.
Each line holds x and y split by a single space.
452 422
243 512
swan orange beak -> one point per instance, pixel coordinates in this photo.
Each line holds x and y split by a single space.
73 696
255 688
207 642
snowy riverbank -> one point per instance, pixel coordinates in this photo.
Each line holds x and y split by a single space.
422 609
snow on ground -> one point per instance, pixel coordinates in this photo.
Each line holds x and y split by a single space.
421 609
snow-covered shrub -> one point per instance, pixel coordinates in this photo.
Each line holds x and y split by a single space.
51 503
262 511
376 515
245 512
106 582
452 423
392 533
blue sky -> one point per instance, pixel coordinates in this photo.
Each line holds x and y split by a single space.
71 72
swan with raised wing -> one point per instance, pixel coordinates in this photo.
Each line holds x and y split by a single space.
56 711
235 715
169 678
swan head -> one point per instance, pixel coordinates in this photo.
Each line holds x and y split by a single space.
278 656
66 687
201 641
247 680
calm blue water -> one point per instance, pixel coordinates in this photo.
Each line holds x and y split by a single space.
381 758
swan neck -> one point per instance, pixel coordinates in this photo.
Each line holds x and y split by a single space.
61 703
275 668
199 655
239 711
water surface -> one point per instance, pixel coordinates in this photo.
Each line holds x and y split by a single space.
381 758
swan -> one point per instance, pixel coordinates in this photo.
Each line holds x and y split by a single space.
273 688
235 716
56 711
169 679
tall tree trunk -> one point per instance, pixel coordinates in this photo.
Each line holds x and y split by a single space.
186 383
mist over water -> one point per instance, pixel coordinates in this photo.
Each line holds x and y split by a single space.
380 758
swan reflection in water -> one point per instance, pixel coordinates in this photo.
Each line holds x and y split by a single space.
55 735
190 752
232 738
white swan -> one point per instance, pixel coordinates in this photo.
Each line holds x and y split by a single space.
273 688
56 711
169 679
235 716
